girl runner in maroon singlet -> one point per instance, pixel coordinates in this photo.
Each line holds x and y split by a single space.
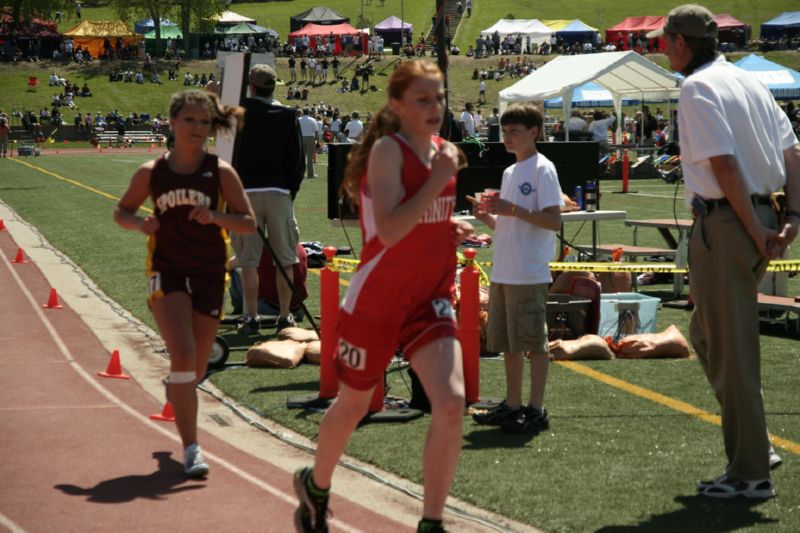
186 262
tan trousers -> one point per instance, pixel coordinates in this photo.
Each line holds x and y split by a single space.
309 145
726 269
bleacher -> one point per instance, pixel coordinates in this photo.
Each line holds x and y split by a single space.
131 137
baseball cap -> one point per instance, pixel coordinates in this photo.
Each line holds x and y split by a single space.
689 20
263 76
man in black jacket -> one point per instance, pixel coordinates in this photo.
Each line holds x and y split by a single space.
269 159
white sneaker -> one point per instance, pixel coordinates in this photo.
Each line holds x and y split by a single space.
725 487
774 459
194 465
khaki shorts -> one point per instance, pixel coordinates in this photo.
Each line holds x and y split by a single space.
517 318
274 212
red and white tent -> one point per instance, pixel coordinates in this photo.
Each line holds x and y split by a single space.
618 34
336 31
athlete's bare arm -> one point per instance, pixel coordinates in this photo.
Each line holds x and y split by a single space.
241 218
138 191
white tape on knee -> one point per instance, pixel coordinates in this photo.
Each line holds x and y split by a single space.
179 378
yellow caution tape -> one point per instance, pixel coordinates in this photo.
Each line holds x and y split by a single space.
778 265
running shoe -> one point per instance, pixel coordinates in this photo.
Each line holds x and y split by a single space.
250 326
727 487
194 464
312 513
285 322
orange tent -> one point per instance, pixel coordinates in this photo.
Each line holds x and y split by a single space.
90 34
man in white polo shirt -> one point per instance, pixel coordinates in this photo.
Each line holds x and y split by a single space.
354 127
309 129
737 148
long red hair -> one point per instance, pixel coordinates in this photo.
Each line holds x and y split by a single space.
383 123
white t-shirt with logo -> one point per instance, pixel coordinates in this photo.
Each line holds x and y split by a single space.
522 251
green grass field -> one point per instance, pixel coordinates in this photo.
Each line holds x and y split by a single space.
614 459
129 97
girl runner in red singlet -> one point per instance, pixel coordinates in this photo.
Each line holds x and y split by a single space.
403 177
186 263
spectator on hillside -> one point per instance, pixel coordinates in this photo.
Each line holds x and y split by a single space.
54 80
139 77
187 79
354 127
85 92
78 122
154 78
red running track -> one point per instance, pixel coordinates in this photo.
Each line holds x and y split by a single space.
79 452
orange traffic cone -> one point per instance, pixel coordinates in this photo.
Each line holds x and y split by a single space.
166 415
2 225
114 369
20 258
52 302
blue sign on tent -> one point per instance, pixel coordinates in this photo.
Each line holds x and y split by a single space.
589 95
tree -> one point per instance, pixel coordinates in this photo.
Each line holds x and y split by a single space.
201 11
22 10
132 10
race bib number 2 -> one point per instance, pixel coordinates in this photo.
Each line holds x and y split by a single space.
352 356
443 308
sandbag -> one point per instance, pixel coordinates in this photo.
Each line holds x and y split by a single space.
280 354
670 343
297 334
313 352
583 348
615 281
563 282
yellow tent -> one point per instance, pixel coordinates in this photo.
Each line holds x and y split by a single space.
90 34
558 25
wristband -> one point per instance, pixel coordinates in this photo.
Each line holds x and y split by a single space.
513 210
792 213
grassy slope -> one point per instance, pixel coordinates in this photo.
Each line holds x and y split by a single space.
610 460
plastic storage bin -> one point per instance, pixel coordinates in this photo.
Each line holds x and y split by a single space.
626 313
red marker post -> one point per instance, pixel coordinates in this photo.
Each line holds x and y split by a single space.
469 329
329 304
626 170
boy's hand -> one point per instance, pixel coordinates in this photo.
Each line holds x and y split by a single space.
477 208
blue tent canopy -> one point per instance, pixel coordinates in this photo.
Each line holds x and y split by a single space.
783 82
589 95
781 26
145 25
577 32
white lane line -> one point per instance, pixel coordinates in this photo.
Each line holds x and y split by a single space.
62 347
12 526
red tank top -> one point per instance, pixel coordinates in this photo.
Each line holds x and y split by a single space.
420 265
182 246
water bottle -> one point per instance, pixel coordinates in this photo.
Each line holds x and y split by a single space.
590 196
579 197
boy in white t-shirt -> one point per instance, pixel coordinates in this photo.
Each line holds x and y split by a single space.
525 218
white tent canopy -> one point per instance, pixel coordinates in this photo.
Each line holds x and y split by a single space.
229 17
624 74
533 28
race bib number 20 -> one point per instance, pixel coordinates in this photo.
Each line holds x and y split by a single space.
352 356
